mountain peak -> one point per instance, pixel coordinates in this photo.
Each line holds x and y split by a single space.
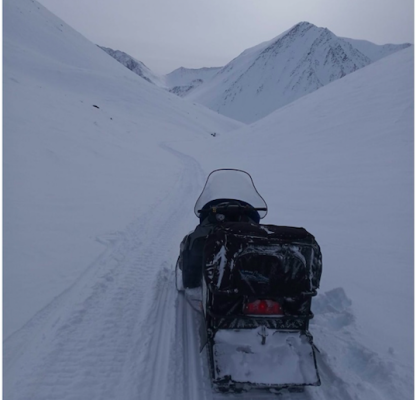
274 73
303 24
296 31
301 27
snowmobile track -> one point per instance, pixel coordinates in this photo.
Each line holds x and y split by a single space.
88 342
160 339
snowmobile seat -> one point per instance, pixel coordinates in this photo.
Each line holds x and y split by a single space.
247 214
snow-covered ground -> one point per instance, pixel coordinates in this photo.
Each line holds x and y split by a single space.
96 201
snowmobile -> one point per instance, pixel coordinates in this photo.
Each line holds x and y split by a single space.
256 284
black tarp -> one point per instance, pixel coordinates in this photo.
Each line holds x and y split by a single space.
246 259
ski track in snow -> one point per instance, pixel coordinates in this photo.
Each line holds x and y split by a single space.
122 331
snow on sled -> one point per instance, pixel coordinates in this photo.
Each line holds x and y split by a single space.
256 283
284 359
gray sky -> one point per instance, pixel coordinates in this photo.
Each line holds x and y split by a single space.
167 34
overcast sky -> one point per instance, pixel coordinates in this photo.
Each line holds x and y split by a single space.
167 34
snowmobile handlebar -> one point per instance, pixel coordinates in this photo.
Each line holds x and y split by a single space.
229 210
232 207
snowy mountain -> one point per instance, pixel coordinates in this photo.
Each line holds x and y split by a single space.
182 91
184 76
101 172
269 75
182 81
134 65
374 51
275 73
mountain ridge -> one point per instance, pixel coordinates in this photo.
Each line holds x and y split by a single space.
136 66
277 72
273 73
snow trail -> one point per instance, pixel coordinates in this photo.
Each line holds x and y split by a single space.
122 331
160 337
91 341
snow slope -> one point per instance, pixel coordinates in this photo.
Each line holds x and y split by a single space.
82 153
182 81
374 51
107 323
277 72
134 65
184 76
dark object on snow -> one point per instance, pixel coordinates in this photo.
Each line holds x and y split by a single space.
267 260
255 278
95 106
193 245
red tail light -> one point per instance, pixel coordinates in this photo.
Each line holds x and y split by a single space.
263 307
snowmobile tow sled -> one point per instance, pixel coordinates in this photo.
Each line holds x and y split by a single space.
256 286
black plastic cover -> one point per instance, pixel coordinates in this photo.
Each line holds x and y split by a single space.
248 259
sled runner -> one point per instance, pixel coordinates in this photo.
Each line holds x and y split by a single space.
257 285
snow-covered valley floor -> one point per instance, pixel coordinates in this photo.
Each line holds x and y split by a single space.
115 323
122 331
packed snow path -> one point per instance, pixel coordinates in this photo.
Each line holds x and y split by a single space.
122 331
93 341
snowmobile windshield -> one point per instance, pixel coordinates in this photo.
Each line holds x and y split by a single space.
231 184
